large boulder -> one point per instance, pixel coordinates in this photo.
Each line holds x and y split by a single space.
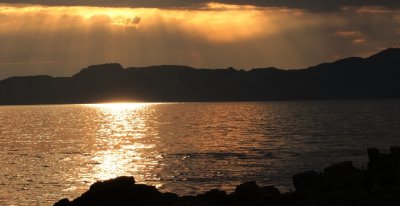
120 191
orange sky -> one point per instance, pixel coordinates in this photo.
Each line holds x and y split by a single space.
60 40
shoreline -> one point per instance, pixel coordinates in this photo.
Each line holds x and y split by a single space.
338 184
205 102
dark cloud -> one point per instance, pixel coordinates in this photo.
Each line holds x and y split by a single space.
312 5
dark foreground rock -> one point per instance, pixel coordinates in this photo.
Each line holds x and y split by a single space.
339 184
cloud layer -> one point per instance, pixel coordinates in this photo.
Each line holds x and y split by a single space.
60 40
312 5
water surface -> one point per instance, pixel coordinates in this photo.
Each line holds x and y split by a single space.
56 151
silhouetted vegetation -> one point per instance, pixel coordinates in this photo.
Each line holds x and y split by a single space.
377 76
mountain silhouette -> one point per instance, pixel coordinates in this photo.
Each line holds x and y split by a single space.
377 76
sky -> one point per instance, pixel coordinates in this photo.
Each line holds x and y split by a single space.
60 37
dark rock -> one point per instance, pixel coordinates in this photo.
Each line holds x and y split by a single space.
118 191
146 190
119 183
270 191
63 202
247 194
340 177
190 201
247 188
373 154
215 196
395 152
293 198
306 181
270 194
341 167
169 198
354 196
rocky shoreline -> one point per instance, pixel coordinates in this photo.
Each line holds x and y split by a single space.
338 184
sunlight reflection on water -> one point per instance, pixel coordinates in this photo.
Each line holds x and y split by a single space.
56 151
120 124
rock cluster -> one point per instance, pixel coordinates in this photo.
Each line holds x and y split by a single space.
339 184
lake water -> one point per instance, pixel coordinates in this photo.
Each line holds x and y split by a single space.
56 151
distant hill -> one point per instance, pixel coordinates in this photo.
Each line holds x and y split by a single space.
377 76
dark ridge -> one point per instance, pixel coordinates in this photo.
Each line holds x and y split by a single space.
160 68
375 77
340 184
342 64
391 53
100 70
28 78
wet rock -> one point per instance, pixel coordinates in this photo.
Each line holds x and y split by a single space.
306 181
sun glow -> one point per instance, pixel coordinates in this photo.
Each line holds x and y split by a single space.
215 22
89 15
117 107
66 37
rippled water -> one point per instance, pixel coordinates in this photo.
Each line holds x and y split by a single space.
51 152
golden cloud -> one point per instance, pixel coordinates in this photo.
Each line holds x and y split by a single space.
348 33
215 22
42 38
